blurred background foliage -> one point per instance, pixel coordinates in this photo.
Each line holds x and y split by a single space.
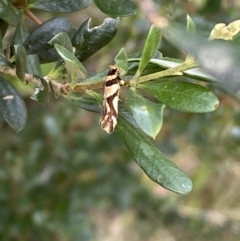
62 178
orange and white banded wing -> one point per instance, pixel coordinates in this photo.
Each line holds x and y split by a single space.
108 120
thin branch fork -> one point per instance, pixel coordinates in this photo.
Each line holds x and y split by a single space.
66 88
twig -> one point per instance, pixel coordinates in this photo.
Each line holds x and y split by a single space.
28 77
66 88
32 16
168 72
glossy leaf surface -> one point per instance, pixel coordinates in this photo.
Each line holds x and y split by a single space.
57 6
121 60
12 106
153 162
86 103
148 115
116 8
63 40
151 46
74 67
9 13
88 41
37 41
183 96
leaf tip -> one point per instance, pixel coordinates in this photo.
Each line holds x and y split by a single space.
187 187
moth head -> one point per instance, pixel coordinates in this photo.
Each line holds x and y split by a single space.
113 70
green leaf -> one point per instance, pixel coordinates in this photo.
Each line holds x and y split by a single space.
153 162
41 95
116 8
37 41
63 40
9 13
148 115
21 34
86 103
33 65
191 27
74 67
57 6
183 96
151 46
121 60
21 61
88 41
134 60
12 106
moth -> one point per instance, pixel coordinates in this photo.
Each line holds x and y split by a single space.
109 115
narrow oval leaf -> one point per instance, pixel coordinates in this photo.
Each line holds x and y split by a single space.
85 103
148 115
57 6
63 40
74 67
153 162
116 8
191 27
21 61
183 96
121 60
151 45
88 41
21 34
9 13
37 41
12 106
33 65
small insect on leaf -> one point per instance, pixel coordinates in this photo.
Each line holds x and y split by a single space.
108 119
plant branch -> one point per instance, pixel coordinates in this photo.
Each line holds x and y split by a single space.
168 72
32 16
66 88
28 77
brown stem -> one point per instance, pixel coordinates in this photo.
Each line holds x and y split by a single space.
32 16
8 51
28 77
